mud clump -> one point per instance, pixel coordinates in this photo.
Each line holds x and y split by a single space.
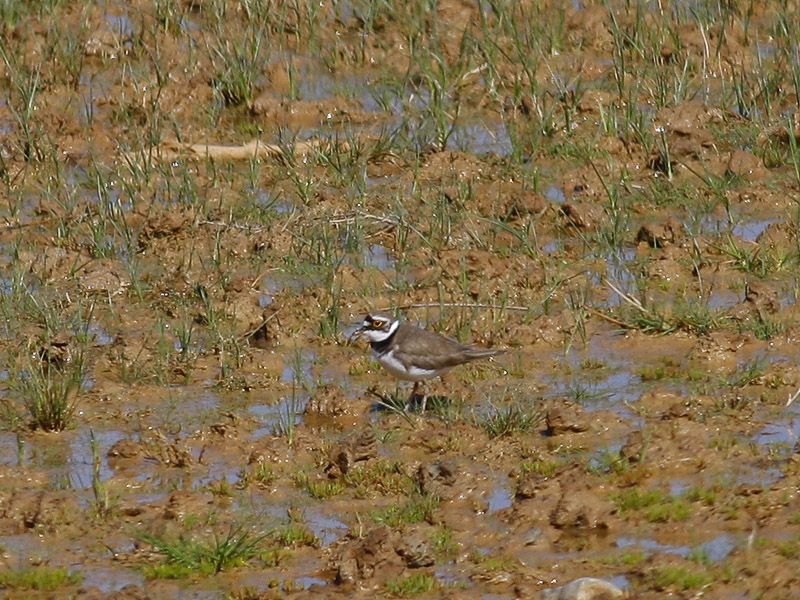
437 479
357 560
658 235
36 510
563 417
361 446
583 216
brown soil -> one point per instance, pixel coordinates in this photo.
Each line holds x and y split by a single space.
645 293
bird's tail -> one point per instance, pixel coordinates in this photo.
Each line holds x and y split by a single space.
473 353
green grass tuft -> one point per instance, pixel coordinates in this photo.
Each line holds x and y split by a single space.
416 510
678 577
412 585
43 579
186 557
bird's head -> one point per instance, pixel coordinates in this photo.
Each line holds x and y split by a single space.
376 328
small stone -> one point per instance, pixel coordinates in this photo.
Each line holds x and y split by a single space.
415 550
435 478
585 588
633 450
658 235
746 165
582 215
360 447
125 449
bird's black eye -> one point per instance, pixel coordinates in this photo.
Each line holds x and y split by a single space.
377 324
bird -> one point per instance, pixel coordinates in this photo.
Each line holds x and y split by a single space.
414 354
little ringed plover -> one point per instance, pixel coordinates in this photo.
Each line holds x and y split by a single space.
414 354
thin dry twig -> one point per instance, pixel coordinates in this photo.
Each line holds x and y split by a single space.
16 226
457 305
171 149
628 298
264 321
608 318
793 397
248 228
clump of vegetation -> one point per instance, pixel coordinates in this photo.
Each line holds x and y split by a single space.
654 505
319 489
47 390
679 578
382 476
40 579
416 509
186 556
510 419
412 585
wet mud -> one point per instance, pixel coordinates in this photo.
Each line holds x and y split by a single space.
609 191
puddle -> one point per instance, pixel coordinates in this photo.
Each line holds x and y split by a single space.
24 550
449 577
281 417
619 580
81 465
267 201
599 459
717 549
315 83
501 498
746 230
298 367
722 299
788 298
120 25
100 335
66 458
275 282
92 91
652 546
765 51
619 273
307 582
189 25
378 257
481 139
553 247
108 579
12 451
264 300
555 194
221 467
678 488
758 476
328 529
711 225
750 230
612 392
785 433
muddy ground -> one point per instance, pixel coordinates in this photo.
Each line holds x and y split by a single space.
607 190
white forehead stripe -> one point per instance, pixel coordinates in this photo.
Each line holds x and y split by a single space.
394 327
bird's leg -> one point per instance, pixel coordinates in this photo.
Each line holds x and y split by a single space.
413 395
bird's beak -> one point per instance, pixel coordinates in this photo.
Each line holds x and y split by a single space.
356 335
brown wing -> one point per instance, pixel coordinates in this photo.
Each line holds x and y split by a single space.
428 350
